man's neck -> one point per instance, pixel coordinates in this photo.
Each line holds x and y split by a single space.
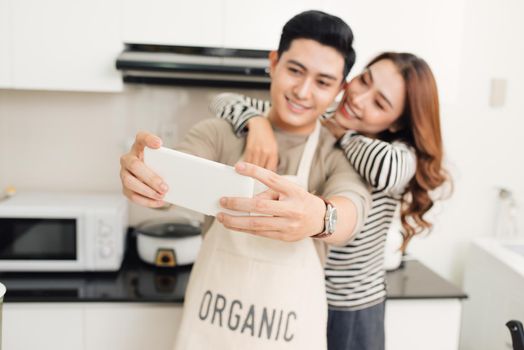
277 122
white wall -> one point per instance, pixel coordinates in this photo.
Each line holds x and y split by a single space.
72 141
484 144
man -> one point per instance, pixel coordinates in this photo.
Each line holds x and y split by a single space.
266 289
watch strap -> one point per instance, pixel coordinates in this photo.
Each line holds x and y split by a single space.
325 232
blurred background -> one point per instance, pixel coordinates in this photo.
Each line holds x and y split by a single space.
66 115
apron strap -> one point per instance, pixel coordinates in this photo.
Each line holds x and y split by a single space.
308 155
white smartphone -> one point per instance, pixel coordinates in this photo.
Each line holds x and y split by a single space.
196 183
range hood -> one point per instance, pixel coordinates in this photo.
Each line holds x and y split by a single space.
194 66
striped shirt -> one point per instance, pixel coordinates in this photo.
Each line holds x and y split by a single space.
354 274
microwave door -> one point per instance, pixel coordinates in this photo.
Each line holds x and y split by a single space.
38 244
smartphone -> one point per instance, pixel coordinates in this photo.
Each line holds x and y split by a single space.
196 183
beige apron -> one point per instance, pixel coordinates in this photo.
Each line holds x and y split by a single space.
250 292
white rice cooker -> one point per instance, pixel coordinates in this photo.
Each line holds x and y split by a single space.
169 243
2 292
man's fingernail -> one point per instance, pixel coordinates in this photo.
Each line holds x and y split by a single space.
223 201
220 217
164 187
241 166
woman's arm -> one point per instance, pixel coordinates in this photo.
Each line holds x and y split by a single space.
385 166
238 109
246 113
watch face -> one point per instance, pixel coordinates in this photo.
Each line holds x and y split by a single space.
332 219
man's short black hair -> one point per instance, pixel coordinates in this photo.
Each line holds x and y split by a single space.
325 29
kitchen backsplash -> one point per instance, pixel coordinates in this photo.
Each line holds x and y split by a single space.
72 141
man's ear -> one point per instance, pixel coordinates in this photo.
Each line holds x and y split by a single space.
273 60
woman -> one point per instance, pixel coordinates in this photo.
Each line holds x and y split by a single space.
388 126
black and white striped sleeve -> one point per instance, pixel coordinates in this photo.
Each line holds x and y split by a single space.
385 166
238 109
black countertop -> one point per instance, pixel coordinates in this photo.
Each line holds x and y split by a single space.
139 282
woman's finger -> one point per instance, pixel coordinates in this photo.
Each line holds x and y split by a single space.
272 162
253 156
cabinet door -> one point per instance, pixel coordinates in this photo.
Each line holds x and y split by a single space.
5 45
42 326
66 45
431 30
423 324
186 23
131 326
258 24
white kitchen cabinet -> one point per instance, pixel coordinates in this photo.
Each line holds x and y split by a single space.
410 325
187 23
429 324
131 326
42 327
258 24
90 326
5 45
494 280
65 45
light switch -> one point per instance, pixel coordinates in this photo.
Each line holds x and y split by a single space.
498 92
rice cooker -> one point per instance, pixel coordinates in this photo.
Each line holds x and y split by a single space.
2 292
169 243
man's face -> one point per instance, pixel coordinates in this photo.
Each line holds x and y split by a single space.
304 82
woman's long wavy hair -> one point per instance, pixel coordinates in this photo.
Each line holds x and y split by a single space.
418 126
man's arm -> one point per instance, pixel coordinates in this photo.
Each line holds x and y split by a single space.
291 212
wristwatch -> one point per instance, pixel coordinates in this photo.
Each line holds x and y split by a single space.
330 220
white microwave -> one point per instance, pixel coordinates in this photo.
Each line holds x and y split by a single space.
62 232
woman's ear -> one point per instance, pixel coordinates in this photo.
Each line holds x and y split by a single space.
273 60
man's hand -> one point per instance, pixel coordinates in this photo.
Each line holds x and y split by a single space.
139 183
292 212
261 145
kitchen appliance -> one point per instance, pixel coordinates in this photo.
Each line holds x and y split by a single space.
517 334
54 231
2 293
169 243
392 253
196 66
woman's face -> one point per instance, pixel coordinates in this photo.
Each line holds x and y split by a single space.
373 100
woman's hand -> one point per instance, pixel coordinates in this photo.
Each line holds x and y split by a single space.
261 146
334 128
139 183
292 212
